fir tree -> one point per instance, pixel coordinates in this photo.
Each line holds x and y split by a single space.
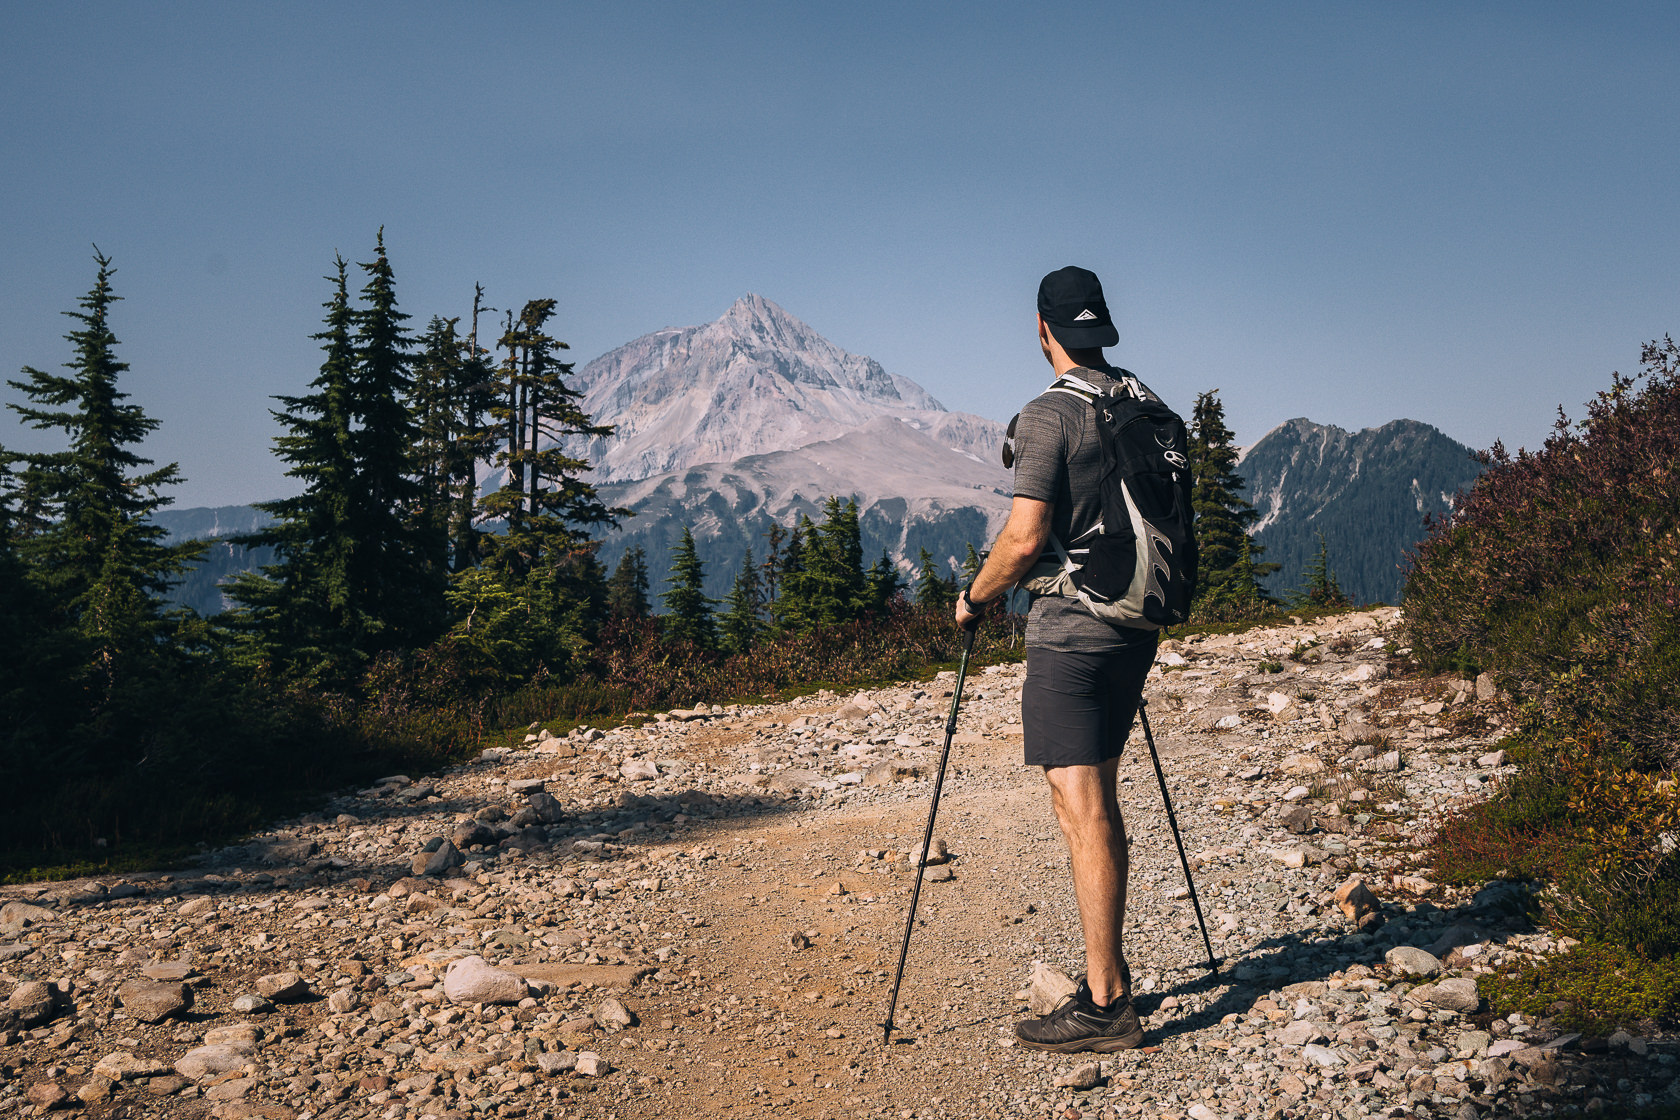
934 591
773 561
690 611
546 501
743 622
1225 550
394 570
971 565
828 589
1320 588
301 612
93 549
627 591
884 584
438 379
789 603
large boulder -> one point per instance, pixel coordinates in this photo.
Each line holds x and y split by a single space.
472 980
153 1001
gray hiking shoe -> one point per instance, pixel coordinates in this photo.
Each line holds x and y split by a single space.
1077 1024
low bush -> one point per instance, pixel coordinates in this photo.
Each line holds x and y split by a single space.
1560 568
1591 988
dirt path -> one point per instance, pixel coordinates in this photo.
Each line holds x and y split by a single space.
700 917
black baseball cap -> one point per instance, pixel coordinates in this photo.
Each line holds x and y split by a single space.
1071 302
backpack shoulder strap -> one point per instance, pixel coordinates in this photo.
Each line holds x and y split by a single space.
1075 387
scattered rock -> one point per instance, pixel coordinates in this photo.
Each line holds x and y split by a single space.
1047 987
1079 1078
31 1004
444 858
123 1065
1408 960
471 980
27 913
614 1016
283 987
591 1064
151 1001
249 1003
48 1095
205 1062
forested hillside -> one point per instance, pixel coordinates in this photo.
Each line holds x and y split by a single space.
1367 493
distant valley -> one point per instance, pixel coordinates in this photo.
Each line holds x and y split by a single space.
756 419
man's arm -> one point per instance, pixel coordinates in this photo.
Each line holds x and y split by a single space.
1016 550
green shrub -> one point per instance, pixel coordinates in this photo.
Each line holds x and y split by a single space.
1603 986
1560 568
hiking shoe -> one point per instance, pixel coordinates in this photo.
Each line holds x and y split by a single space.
1077 1024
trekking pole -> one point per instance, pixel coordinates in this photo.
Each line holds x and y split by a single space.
927 836
1172 822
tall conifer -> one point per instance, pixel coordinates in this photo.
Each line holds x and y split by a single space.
1225 550
94 551
627 591
743 622
690 611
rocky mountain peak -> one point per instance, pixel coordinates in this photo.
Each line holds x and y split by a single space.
754 381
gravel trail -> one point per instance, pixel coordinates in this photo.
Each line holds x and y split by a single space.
700 917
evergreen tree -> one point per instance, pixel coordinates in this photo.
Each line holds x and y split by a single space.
1225 550
394 570
301 612
627 591
1321 588
27 665
884 584
773 561
971 565
743 622
829 588
438 379
789 604
690 618
933 590
474 441
93 550
546 502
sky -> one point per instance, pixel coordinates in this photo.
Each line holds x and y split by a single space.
1460 214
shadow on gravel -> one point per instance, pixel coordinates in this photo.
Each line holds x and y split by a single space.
1576 1070
293 859
1495 913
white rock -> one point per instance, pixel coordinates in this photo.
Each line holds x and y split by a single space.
1297 793
471 980
640 770
1047 987
212 1061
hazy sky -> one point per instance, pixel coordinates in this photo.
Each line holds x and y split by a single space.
1463 214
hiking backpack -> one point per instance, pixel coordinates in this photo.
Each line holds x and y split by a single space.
1137 566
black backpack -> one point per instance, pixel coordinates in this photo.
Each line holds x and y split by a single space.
1137 566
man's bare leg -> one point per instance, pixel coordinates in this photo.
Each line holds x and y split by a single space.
1088 808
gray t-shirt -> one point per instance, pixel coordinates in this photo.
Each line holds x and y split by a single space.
1058 459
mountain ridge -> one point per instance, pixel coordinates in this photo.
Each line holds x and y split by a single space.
1368 491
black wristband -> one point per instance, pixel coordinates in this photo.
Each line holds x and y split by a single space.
977 608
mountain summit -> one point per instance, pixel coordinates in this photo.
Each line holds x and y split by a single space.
756 418
754 381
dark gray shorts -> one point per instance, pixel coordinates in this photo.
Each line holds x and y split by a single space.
1077 708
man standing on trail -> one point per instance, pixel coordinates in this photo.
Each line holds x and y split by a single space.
1084 675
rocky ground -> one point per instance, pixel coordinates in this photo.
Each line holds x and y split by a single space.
700 916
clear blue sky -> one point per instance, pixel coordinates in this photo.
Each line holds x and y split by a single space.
1463 214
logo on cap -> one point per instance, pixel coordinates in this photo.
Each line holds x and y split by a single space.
1083 315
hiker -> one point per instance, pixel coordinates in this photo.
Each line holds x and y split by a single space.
1085 675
